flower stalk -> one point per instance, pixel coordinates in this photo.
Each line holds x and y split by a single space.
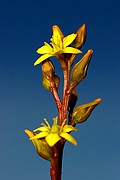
49 140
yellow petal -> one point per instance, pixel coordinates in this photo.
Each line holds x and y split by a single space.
46 49
69 39
68 128
43 128
42 58
29 133
68 137
40 135
56 47
52 139
47 45
71 50
56 38
60 32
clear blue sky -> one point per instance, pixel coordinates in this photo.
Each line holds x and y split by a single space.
24 26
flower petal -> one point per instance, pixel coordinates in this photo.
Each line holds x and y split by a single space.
71 50
42 128
56 38
46 49
29 133
69 39
68 137
59 30
40 135
68 128
52 139
42 58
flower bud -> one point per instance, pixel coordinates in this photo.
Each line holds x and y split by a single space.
82 112
41 146
48 68
81 37
46 81
79 71
48 73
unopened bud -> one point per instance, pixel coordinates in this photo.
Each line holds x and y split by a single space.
79 71
48 68
48 75
81 37
46 82
41 146
82 112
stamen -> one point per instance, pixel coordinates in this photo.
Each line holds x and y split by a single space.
47 123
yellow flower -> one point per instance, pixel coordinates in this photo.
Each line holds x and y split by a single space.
53 134
59 45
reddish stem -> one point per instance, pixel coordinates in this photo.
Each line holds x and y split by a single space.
56 162
56 97
65 97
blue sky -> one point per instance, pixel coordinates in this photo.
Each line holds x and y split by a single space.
24 26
